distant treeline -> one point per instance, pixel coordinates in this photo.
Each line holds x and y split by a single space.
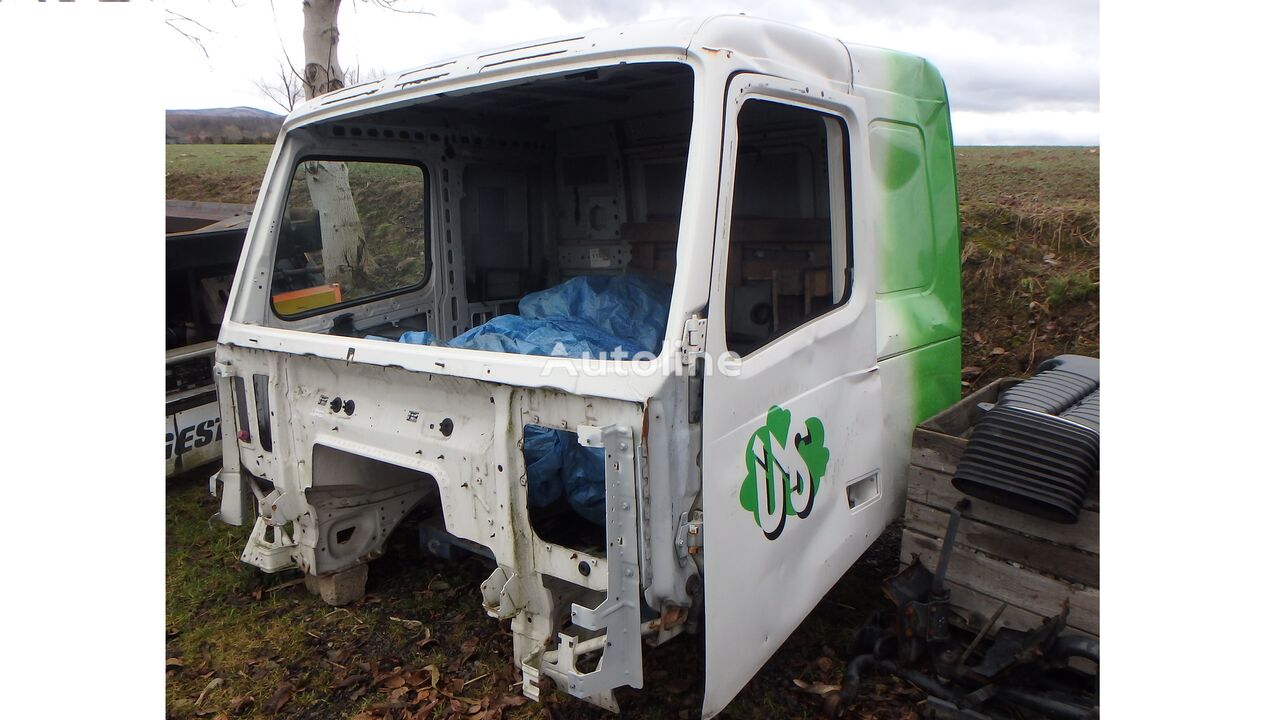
225 126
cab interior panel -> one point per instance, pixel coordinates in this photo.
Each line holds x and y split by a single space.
562 177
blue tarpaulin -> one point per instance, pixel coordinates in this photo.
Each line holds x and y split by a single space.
617 317
589 315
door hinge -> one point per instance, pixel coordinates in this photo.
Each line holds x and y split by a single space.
689 536
694 341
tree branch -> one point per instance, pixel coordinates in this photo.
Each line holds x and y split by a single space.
392 6
175 19
283 50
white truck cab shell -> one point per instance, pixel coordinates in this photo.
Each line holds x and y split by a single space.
738 489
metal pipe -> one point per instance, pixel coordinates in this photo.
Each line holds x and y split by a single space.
1053 709
924 682
940 575
978 638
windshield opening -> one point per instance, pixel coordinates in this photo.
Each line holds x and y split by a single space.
558 206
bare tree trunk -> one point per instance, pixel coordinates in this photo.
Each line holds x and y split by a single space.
320 46
341 234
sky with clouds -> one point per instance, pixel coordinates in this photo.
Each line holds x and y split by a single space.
1018 73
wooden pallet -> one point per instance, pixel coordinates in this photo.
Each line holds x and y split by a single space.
1001 555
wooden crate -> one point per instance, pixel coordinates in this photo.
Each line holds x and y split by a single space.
1000 555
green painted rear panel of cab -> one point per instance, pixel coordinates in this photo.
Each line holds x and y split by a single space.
917 221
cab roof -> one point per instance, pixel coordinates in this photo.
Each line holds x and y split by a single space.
795 50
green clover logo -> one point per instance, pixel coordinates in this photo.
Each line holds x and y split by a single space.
783 470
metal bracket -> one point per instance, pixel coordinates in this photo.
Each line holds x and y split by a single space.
693 345
222 369
236 503
502 597
688 537
270 555
694 341
619 613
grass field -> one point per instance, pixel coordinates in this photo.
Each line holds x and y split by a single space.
242 644
1030 247
215 173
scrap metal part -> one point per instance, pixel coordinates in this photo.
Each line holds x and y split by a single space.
1026 669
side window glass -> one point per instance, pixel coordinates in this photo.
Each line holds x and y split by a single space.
789 237
352 231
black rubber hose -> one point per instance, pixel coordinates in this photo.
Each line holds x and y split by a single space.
1054 709
924 682
853 676
863 663
867 639
1081 646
